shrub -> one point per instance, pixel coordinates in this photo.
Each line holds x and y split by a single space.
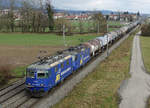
145 30
5 73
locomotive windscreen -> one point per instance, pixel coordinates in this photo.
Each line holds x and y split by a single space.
42 74
30 74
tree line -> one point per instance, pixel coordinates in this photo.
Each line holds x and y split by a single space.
37 16
32 18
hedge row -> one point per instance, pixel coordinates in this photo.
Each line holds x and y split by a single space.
145 30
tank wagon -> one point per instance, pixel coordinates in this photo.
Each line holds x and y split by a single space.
46 73
94 45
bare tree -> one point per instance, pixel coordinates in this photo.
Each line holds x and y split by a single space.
69 28
101 23
59 25
7 20
42 17
50 13
11 15
81 26
26 13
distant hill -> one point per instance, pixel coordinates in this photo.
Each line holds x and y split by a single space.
82 11
6 3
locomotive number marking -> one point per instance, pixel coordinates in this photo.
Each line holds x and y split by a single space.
57 78
81 62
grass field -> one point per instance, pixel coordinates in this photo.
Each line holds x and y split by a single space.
42 39
99 88
145 44
115 23
112 29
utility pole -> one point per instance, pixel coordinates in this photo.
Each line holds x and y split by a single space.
107 42
98 28
64 37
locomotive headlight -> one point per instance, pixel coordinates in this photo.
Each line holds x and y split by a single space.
41 84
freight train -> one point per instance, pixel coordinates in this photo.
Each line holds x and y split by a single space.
46 73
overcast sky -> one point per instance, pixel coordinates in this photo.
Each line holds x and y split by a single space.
115 5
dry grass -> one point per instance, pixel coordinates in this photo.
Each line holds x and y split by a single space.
23 55
99 88
145 45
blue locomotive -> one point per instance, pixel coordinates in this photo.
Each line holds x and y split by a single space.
49 71
43 75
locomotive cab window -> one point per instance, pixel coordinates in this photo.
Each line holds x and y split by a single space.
30 74
42 74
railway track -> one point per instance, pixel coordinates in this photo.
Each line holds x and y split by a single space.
10 91
15 96
11 87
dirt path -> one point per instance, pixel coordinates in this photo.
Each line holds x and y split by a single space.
136 90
